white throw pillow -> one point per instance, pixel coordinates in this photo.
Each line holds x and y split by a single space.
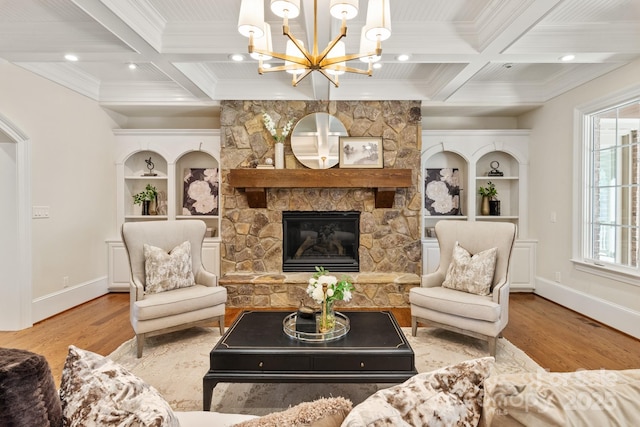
95 391
451 396
166 271
471 273
582 398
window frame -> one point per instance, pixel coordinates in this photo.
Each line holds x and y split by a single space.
582 179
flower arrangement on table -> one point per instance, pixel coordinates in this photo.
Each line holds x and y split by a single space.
270 125
325 289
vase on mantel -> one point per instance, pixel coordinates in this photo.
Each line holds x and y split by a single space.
279 155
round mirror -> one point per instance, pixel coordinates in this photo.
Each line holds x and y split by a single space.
315 140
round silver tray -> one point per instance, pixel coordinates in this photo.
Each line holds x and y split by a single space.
341 329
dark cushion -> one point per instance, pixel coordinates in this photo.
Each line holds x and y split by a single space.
28 395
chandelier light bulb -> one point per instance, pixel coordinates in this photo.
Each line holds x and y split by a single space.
292 50
378 20
347 9
337 51
286 8
263 43
251 19
367 47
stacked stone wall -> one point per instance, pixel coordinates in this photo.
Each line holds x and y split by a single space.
252 238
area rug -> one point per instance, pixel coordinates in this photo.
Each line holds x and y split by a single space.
175 364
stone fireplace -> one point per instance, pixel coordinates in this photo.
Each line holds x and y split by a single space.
330 239
252 250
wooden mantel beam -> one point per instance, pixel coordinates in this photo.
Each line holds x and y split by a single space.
255 182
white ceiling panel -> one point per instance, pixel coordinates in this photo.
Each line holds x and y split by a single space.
458 50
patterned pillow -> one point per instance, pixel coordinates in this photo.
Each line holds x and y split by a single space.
446 397
96 391
473 274
329 412
166 271
582 398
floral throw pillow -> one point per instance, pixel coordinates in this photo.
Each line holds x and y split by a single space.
166 271
471 273
450 396
95 391
324 412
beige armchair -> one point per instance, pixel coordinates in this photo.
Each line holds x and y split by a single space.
168 311
482 317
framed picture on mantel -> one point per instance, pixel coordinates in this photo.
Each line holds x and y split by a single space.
361 152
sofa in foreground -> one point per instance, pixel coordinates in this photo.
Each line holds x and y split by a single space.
96 391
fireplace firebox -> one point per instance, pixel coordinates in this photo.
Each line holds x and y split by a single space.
327 239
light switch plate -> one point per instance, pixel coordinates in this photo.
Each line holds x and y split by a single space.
38 212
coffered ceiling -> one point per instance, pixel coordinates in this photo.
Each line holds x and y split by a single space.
467 57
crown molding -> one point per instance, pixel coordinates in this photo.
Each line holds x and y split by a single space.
67 76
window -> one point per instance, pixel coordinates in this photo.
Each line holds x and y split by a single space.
611 189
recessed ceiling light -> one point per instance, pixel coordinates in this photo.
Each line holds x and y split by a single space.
237 57
132 66
403 57
566 58
70 57
377 65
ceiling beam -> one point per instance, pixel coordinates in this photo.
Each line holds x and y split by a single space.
518 26
111 21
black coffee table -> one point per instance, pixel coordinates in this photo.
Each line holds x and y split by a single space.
256 350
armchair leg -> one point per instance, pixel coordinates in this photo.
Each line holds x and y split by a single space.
493 342
140 344
414 326
221 324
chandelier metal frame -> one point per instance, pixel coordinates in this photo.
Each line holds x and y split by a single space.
314 60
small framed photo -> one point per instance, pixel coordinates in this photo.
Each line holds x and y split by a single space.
361 152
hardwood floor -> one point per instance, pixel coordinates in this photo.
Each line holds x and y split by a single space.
556 338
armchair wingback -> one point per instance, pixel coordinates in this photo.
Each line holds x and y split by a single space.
162 312
479 316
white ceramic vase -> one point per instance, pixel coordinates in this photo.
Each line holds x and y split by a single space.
279 155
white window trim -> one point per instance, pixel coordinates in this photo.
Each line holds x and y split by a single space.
580 162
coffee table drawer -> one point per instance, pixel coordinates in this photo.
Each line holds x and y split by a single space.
363 363
255 362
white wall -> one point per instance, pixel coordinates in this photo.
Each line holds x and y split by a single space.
551 190
73 173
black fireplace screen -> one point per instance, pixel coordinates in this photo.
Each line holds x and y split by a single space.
327 239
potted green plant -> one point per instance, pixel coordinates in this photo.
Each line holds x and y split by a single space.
490 204
145 197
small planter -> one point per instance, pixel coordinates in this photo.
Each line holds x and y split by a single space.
484 206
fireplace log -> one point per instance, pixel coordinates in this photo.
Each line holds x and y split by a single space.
322 247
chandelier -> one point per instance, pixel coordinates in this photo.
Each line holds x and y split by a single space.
299 61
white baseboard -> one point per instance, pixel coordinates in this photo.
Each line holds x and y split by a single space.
611 314
57 302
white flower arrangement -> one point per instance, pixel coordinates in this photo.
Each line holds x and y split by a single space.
336 289
271 127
